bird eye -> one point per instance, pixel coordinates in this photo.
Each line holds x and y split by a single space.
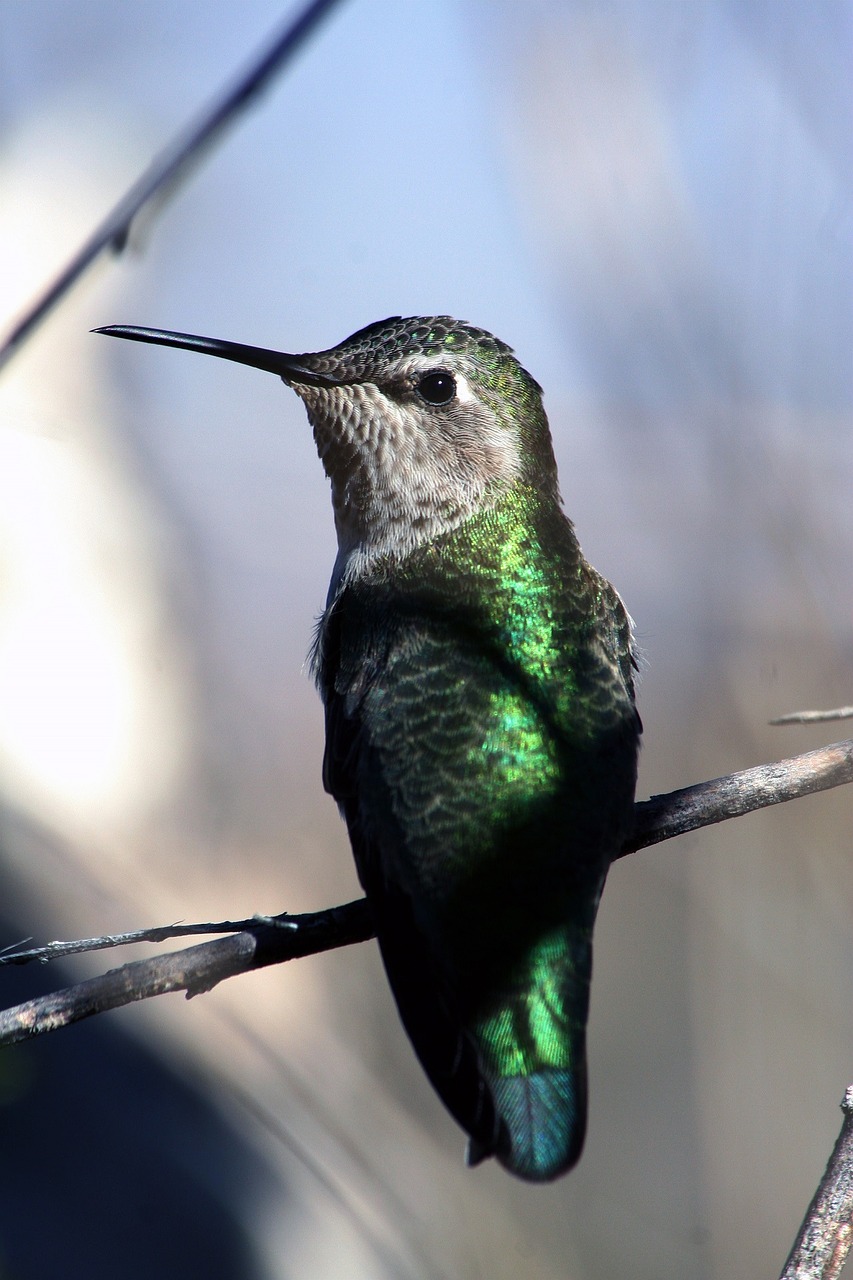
438 387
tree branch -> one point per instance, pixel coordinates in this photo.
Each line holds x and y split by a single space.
824 1241
169 168
272 940
194 970
814 717
160 933
663 817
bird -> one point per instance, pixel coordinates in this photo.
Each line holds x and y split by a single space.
482 735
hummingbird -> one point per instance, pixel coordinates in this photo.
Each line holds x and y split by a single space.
482 736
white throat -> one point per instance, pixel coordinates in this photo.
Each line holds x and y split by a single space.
401 476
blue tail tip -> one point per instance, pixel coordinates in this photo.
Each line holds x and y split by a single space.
544 1124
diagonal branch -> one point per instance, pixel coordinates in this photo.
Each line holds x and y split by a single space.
825 1237
706 803
170 168
274 940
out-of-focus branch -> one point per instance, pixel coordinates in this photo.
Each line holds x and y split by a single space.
814 717
824 1241
171 167
272 941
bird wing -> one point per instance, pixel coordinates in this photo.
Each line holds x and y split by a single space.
352 774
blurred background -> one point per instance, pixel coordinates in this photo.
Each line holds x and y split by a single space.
652 204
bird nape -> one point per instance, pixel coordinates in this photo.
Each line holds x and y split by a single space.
481 731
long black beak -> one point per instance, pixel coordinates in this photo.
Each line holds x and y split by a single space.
289 368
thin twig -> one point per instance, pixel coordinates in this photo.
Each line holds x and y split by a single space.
159 933
194 970
825 1237
170 167
814 717
199 968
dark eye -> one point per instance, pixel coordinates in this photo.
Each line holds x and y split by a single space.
438 387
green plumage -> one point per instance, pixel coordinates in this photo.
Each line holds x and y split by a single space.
481 739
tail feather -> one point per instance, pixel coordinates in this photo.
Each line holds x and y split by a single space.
544 1117
512 1070
533 1057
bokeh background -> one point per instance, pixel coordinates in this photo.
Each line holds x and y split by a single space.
652 203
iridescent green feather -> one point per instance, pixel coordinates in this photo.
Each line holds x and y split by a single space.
490 793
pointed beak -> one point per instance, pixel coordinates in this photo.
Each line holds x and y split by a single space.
289 368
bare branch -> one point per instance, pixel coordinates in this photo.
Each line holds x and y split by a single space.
824 1241
159 933
166 172
814 717
271 940
663 817
194 970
